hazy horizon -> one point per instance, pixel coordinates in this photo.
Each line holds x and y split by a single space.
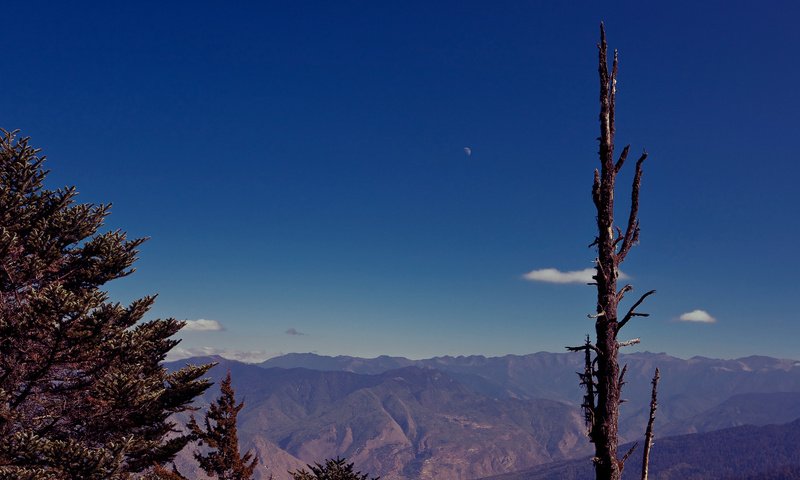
253 358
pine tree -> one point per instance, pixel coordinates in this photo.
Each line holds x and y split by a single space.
219 434
83 394
334 469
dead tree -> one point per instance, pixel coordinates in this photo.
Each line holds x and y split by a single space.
648 436
602 379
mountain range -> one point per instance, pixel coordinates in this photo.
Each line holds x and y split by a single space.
470 417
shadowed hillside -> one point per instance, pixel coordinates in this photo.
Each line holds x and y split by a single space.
738 453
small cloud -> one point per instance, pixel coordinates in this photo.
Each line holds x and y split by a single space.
252 356
294 331
202 325
700 316
554 275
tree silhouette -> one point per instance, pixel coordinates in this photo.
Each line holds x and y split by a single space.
602 378
220 436
82 391
334 469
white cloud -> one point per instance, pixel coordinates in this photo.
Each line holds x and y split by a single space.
697 316
554 275
202 325
293 331
252 356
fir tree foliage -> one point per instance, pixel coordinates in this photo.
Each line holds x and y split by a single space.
82 392
333 469
159 472
221 459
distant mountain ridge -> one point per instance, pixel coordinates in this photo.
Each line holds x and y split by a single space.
458 418
688 387
382 363
312 361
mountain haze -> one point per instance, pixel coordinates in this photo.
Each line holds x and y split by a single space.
406 423
688 388
459 418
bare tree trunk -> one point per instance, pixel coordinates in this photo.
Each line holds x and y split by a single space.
604 381
648 437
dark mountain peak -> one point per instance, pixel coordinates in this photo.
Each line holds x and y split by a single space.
340 362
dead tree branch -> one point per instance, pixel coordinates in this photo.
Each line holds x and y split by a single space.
587 346
632 231
632 311
628 343
622 157
628 454
588 383
623 291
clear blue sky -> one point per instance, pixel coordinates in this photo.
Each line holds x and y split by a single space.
301 165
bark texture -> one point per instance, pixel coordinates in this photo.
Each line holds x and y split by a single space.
602 378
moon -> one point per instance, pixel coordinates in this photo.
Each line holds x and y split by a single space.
468 151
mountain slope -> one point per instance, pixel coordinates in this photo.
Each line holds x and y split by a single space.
465 417
744 409
409 423
737 453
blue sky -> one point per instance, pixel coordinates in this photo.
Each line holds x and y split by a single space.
300 166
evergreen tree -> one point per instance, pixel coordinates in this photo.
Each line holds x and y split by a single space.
159 472
222 459
334 469
83 394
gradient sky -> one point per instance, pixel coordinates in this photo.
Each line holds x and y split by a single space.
300 166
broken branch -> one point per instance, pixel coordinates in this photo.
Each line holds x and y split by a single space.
619 238
625 458
584 347
628 343
632 232
632 313
596 189
622 157
623 290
